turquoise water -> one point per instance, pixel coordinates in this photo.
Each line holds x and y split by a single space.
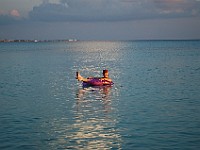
154 103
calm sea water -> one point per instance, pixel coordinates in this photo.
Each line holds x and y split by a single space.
154 103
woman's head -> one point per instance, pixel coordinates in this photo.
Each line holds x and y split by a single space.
105 73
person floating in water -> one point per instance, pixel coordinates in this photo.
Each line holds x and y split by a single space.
95 81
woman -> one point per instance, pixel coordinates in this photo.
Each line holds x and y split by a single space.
95 81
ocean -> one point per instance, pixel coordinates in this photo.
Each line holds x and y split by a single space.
153 104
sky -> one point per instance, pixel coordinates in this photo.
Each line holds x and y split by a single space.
100 19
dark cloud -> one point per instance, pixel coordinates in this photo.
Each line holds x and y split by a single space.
105 10
113 10
8 19
85 10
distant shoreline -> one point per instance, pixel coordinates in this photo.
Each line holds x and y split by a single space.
75 40
35 41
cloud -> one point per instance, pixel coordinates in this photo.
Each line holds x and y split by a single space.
15 13
12 16
104 10
76 10
113 10
178 7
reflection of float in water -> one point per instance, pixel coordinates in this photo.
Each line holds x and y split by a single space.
94 97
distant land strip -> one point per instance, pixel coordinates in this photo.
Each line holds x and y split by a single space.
35 41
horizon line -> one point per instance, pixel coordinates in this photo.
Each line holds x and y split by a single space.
77 40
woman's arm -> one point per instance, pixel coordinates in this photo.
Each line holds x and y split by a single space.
106 79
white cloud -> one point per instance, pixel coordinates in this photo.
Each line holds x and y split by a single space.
9 17
15 13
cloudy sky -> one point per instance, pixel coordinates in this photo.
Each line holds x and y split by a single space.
100 19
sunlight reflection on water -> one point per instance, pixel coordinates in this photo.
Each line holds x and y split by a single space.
93 125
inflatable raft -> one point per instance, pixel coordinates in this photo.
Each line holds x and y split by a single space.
98 82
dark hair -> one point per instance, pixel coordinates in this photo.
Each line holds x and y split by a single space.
105 71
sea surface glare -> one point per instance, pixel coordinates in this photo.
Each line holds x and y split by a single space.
153 105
